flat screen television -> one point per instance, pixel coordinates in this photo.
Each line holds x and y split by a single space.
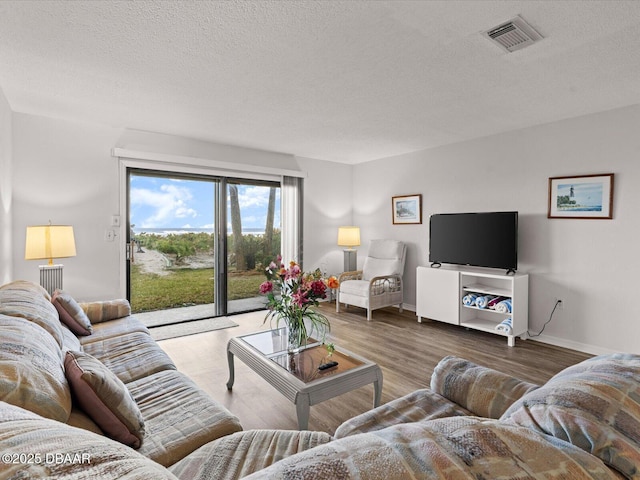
486 239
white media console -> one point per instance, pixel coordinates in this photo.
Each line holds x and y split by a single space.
440 292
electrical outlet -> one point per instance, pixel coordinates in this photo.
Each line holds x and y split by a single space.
559 303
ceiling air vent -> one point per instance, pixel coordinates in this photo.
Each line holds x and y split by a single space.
514 35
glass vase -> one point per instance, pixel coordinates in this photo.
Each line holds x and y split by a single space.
296 337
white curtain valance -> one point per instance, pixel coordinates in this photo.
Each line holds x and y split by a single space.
179 163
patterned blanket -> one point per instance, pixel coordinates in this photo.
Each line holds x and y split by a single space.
451 448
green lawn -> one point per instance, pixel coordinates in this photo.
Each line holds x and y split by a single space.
184 287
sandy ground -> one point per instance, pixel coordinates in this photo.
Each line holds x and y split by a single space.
152 261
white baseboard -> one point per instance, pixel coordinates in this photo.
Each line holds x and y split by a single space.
564 343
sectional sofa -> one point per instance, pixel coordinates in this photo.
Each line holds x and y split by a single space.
86 393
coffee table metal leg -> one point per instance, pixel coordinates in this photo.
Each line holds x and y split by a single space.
231 370
302 409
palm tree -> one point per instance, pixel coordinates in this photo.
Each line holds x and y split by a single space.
268 229
236 229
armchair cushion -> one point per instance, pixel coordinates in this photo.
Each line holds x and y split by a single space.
378 267
355 287
386 249
385 257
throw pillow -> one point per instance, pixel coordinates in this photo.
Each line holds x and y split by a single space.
104 398
71 314
595 405
103 311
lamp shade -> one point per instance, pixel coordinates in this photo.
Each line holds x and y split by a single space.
49 241
349 236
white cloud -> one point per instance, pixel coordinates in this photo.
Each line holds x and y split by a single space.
166 203
253 196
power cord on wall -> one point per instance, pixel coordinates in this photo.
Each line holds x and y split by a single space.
558 302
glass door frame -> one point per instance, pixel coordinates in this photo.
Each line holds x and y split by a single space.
220 287
219 243
241 169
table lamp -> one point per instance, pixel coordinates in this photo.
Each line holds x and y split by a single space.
349 237
49 242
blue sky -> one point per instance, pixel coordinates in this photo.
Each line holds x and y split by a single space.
158 202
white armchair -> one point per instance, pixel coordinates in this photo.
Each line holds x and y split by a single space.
379 283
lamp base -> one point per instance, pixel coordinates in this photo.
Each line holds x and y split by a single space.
51 277
350 260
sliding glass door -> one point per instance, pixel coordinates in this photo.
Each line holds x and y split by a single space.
253 240
171 243
199 243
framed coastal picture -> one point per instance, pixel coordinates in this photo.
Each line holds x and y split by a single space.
584 196
407 209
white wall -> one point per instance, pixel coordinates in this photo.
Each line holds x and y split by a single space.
6 192
181 146
64 173
590 264
327 205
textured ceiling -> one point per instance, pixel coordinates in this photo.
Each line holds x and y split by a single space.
347 81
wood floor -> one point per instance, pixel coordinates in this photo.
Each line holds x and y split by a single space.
407 352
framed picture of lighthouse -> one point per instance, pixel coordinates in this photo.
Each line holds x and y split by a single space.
584 196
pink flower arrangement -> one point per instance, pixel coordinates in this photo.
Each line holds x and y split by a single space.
291 296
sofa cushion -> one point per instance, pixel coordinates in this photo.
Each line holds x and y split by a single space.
130 356
31 369
104 398
101 311
243 453
28 300
69 340
481 390
418 406
80 419
71 314
115 328
594 405
452 448
179 417
27 286
65 452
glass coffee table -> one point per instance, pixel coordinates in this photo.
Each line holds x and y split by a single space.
297 376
